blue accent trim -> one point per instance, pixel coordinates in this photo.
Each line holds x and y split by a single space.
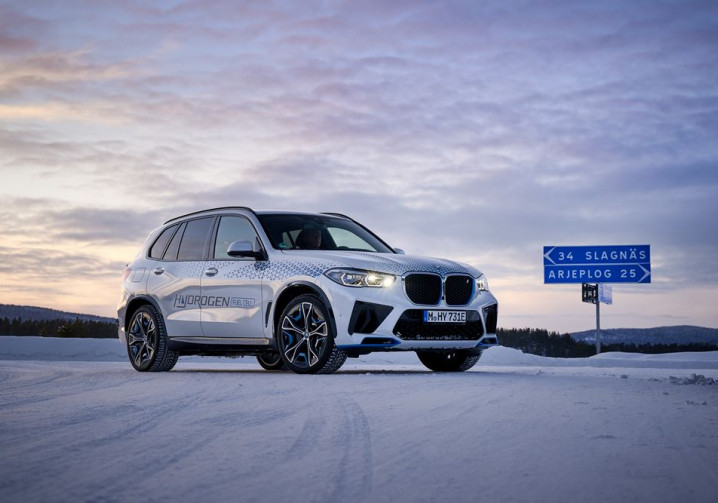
360 346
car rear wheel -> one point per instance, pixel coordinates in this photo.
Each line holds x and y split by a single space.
271 361
448 361
147 344
305 337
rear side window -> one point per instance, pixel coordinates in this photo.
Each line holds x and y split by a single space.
195 239
232 229
161 243
173 248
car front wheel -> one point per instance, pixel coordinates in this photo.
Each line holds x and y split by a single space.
448 361
305 337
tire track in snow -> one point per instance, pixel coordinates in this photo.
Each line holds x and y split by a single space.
340 436
355 470
15 391
148 423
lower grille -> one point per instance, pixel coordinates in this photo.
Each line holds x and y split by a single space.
411 327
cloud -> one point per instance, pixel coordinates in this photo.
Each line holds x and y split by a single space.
48 222
105 173
52 68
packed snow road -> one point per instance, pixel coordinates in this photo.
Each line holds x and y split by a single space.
99 431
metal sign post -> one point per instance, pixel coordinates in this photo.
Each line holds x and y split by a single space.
598 328
595 294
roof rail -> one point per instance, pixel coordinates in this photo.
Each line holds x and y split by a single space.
211 209
337 215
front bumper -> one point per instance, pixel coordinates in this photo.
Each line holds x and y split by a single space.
384 319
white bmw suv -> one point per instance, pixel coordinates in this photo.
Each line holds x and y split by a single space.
299 291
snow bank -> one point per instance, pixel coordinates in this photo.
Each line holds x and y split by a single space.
501 355
60 349
705 360
108 350
509 356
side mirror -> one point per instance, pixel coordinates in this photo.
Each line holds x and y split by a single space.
399 251
244 249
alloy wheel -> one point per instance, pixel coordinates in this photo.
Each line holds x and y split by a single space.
305 334
142 339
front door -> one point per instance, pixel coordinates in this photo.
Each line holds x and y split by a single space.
232 287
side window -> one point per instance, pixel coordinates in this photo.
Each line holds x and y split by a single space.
161 242
194 239
173 248
232 229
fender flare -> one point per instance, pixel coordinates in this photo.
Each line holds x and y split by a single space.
139 299
316 290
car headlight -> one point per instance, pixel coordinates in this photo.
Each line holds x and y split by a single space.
359 278
482 284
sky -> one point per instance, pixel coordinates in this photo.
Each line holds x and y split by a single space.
475 131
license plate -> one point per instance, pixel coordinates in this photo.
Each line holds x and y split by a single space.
445 316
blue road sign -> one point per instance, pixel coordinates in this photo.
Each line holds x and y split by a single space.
588 255
598 264
610 273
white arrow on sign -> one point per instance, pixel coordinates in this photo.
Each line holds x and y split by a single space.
547 255
646 273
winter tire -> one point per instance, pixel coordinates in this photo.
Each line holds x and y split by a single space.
271 361
448 361
305 337
147 344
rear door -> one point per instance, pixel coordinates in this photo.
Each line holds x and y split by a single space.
232 287
175 279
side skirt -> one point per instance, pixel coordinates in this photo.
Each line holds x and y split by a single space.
221 346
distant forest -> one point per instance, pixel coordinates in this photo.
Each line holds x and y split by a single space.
59 328
544 343
534 341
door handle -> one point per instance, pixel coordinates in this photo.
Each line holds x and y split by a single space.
159 270
212 271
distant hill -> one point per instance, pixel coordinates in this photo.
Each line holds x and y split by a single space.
32 313
681 334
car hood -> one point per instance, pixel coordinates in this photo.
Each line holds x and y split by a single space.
384 262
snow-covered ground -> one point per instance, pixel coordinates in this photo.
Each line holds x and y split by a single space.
78 424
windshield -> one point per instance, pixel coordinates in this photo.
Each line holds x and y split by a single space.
319 232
